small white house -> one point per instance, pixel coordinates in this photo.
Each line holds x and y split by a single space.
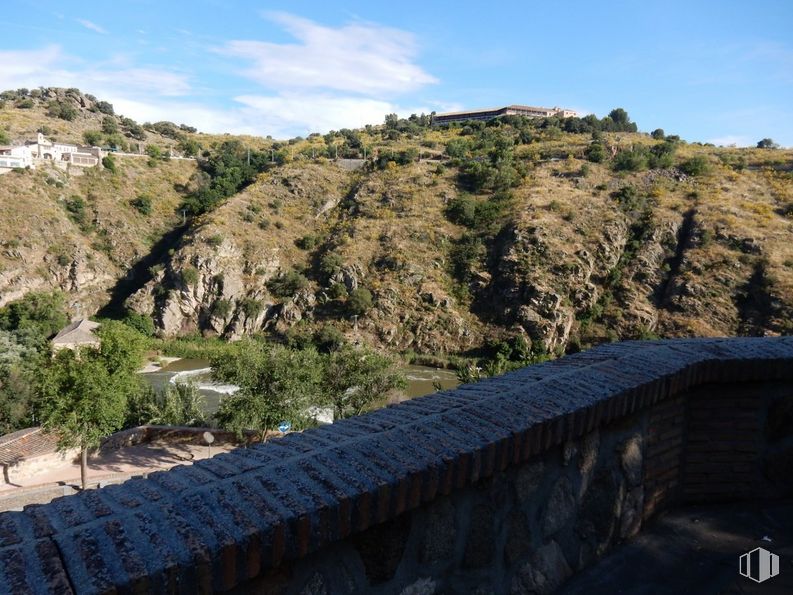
15 156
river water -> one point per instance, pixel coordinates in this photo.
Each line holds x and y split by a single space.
420 380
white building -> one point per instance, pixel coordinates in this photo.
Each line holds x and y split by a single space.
15 156
83 156
42 150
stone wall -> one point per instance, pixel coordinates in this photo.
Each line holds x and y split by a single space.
507 485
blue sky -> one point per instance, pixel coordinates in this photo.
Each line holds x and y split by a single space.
710 71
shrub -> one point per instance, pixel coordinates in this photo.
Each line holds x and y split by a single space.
634 159
221 308
328 338
109 163
190 147
214 240
61 109
153 151
596 153
658 134
141 323
330 264
109 125
466 210
337 291
251 307
287 284
189 276
696 166
307 242
359 301
76 208
462 256
92 137
24 104
142 203
104 107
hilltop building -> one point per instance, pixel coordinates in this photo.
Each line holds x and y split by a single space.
79 333
509 110
43 150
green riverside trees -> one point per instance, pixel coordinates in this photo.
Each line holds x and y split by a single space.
83 394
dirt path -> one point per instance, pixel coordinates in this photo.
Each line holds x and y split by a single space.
109 467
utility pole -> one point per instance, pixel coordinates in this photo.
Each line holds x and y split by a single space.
337 152
184 217
249 157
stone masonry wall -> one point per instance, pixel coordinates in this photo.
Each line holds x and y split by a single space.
507 485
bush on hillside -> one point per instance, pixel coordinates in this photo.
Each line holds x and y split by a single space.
92 138
359 301
696 166
142 203
109 163
287 284
62 109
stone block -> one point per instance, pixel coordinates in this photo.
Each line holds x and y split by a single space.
480 544
543 574
528 479
440 532
560 508
631 460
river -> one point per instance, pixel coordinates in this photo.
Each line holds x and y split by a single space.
420 380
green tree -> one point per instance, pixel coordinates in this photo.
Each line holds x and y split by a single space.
17 366
276 384
190 147
109 163
177 405
109 125
696 166
92 137
104 107
596 153
767 143
287 284
355 378
35 318
359 301
83 394
658 134
61 109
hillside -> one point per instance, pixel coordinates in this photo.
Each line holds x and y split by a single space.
441 242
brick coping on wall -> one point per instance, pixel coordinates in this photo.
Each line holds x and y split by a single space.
215 524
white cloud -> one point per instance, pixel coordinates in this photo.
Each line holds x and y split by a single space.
331 78
51 67
361 58
92 26
732 139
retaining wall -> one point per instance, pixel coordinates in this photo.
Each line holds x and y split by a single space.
507 485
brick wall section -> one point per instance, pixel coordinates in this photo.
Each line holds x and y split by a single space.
663 455
216 524
724 444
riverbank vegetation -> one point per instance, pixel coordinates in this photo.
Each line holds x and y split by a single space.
87 393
